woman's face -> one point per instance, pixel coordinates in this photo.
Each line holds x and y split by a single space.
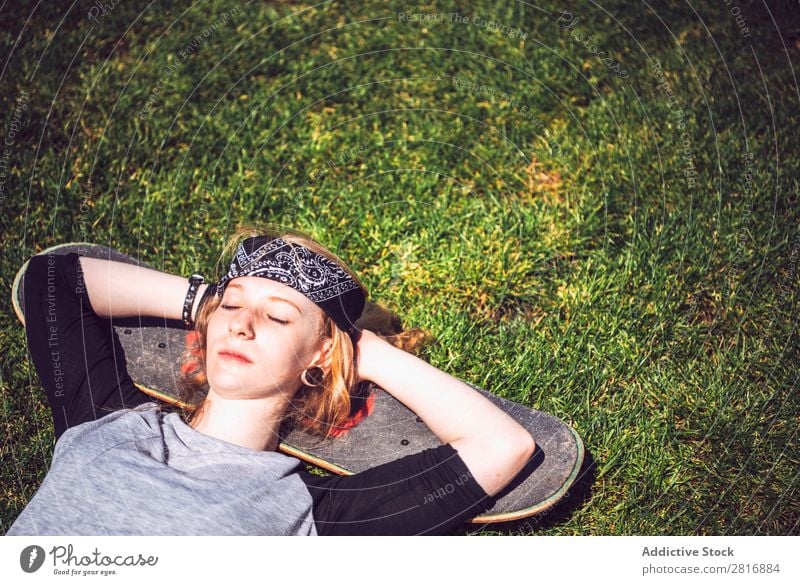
274 327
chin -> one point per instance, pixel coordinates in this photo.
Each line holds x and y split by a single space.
227 382
232 383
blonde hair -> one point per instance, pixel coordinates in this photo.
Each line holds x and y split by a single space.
324 411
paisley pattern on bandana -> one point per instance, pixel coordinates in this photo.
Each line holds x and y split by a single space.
321 280
297 267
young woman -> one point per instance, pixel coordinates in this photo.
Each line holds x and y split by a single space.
276 341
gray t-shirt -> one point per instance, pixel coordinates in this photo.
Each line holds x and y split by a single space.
142 471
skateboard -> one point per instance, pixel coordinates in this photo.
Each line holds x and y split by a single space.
153 349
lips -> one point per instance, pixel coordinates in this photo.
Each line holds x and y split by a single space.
231 355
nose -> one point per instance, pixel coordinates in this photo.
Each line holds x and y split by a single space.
241 324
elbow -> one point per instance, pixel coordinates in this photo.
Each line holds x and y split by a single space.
530 445
523 446
511 457
495 464
515 450
519 452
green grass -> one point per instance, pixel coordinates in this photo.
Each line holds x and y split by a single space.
546 235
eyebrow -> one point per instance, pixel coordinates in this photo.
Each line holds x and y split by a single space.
273 297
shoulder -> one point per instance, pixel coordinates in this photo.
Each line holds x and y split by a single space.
125 420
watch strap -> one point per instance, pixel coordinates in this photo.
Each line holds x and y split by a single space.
195 280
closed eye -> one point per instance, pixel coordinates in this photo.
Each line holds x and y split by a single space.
232 307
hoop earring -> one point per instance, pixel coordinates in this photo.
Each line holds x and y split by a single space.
316 377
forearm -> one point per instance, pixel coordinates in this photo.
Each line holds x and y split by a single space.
124 290
493 445
452 410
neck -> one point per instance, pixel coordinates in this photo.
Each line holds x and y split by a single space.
249 423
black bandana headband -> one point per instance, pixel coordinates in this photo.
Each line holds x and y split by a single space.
318 278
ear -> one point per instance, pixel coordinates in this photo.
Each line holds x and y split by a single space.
324 356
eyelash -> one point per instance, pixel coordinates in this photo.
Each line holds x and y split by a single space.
230 307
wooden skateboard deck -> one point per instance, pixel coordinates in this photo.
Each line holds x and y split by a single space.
153 348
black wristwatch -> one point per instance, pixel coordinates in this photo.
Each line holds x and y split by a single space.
195 280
